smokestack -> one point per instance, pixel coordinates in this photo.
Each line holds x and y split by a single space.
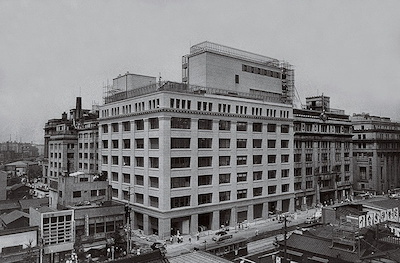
78 108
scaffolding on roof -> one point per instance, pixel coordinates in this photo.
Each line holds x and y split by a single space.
207 46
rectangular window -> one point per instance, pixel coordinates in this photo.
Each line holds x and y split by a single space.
241 126
180 143
257 143
205 143
127 178
153 162
272 189
93 193
76 194
257 127
139 125
271 143
127 143
180 201
154 123
125 195
115 144
205 124
180 162
271 127
139 161
153 201
297 157
126 125
224 196
297 186
257 175
139 198
105 128
139 143
224 160
241 143
285 144
309 171
114 176
241 194
139 180
127 160
257 159
271 158
114 127
257 191
224 143
309 157
241 177
153 181
180 123
224 125
241 160
205 180
297 171
285 188
114 160
205 161
237 79
179 182
154 143
284 128
105 159
284 173
224 178
105 144
204 198
271 174
284 158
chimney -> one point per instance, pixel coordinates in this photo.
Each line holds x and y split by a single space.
78 108
64 116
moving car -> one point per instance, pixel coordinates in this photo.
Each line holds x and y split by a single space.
221 235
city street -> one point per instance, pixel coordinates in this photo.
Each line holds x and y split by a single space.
261 227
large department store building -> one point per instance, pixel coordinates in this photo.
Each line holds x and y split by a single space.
213 150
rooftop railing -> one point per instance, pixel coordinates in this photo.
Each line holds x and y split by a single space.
191 89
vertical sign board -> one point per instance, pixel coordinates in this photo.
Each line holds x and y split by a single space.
395 214
377 218
361 221
87 225
370 219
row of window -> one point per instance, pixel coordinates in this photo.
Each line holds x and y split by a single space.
184 143
206 198
184 162
203 124
261 71
322 145
321 128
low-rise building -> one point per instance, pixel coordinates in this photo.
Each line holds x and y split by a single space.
19 245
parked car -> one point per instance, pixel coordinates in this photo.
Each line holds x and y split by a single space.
221 235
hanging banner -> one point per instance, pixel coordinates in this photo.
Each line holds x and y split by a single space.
374 218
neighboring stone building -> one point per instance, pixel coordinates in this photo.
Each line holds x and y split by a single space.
322 153
70 146
214 150
376 153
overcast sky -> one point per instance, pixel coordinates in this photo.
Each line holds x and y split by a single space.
53 51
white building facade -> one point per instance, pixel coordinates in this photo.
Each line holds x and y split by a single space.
197 155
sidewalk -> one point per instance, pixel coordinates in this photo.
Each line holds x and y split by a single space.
250 229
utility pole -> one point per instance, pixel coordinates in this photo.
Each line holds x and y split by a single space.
284 240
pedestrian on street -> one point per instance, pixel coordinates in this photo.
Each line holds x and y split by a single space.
197 235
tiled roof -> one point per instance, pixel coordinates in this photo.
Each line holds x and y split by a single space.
9 204
319 247
26 203
197 257
14 215
386 204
